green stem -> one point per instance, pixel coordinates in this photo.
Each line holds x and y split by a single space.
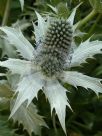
54 123
81 125
87 18
6 13
93 27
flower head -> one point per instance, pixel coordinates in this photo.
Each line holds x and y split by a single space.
45 66
55 47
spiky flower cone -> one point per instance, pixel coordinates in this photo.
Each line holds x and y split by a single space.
55 47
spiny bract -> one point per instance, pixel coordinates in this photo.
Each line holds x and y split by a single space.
55 48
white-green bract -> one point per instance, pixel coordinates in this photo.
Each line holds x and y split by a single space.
32 79
22 3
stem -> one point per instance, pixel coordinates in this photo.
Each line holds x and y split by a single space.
6 13
54 123
87 18
93 27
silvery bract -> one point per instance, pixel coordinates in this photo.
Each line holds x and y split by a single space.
29 117
22 3
50 63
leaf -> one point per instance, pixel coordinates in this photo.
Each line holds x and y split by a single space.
22 24
97 5
27 89
4 103
22 4
56 95
4 128
72 15
7 49
2 74
28 116
85 50
2 7
17 66
98 70
78 79
78 33
5 90
40 29
53 8
16 38
41 23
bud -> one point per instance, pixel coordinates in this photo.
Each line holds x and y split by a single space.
97 5
63 10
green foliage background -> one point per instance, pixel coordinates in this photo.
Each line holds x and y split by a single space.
86 118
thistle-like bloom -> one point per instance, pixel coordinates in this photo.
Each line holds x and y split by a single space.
48 64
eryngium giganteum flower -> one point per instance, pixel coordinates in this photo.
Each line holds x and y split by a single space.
48 64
